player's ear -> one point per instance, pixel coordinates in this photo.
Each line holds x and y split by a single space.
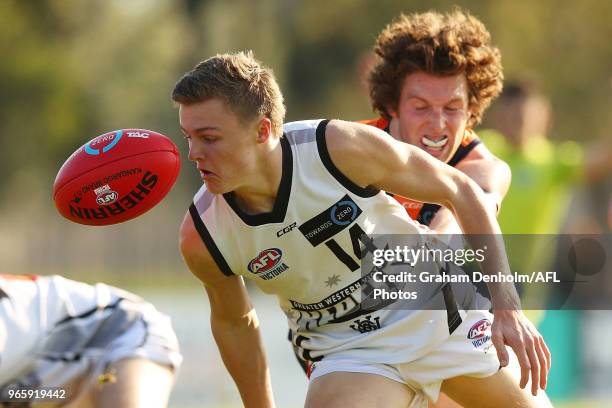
392 111
264 130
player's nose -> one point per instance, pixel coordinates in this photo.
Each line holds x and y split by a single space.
196 152
437 119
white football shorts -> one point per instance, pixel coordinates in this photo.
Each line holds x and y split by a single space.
468 351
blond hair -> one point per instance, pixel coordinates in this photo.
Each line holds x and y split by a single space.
248 88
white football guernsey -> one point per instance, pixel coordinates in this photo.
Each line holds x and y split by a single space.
307 251
54 330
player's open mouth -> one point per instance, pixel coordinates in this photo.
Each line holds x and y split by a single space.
434 144
206 173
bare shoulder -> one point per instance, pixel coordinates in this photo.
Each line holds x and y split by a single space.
196 255
480 152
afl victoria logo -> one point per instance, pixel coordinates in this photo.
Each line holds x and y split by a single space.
479 329
266 260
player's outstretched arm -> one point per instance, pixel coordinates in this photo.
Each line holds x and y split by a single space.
370 157
491 174
234 322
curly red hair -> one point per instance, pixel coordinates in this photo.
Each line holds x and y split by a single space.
439 44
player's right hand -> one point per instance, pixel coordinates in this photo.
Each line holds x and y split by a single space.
512 328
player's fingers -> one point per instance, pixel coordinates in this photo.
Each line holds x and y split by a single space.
523 359
498 341
543 362
546 352
534 362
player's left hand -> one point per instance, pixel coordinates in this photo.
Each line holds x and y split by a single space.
512 328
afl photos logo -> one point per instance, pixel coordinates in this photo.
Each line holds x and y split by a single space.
268 264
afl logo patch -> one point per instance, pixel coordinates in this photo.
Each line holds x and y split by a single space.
479 329
105 196
479 332
268 264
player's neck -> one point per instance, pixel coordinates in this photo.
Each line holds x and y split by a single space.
259 192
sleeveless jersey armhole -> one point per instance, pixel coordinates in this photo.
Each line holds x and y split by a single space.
334 171
209 242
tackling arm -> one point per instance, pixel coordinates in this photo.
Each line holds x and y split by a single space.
233 320
490 173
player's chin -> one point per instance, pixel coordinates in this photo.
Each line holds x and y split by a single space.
445 154
440 154
214 187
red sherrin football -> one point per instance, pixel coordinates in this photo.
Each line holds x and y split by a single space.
116 176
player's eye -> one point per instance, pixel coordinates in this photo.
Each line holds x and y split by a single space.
453 108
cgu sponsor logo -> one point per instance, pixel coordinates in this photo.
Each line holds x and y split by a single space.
130 200
285 230
268 264
411 205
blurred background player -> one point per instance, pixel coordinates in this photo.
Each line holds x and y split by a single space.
105 347
546 173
